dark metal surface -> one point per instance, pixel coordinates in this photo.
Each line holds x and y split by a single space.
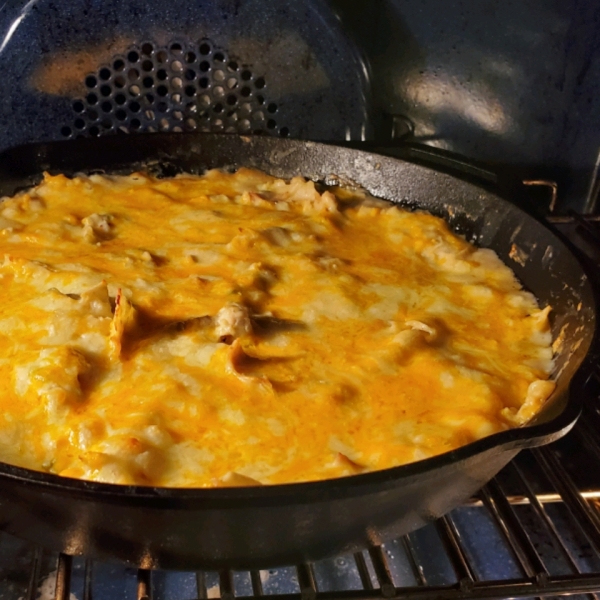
47 49
508 82
251 527
512 83
173 87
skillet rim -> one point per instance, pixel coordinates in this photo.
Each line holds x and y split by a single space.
512 439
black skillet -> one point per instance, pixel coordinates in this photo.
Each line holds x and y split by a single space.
284 524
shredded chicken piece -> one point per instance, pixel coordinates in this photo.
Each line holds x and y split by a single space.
407 339
537 393
254 199
96 300
332 264
420 326
232 322
303 192
96 227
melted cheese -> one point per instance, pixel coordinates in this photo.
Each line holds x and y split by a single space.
235 328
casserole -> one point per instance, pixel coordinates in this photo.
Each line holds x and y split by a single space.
162 527
262 332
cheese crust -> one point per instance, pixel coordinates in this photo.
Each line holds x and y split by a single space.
237 329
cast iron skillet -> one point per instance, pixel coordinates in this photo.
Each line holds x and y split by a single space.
284 524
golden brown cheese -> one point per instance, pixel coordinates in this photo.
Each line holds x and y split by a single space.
235 328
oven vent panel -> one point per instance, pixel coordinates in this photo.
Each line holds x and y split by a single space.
82 68
174 87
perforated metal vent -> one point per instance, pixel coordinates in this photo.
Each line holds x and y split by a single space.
178 87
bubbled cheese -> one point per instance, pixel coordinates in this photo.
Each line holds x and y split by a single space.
235 329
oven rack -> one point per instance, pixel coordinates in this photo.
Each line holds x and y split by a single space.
533 531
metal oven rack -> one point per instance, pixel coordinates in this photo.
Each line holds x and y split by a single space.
533 531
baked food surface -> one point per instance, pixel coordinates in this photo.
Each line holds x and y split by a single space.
236 329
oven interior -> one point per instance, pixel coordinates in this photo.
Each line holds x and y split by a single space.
509 87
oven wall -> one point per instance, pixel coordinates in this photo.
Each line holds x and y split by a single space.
503 81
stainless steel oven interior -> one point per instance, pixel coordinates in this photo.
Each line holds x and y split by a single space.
509 86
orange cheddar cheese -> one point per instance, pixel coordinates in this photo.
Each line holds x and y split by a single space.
238 329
